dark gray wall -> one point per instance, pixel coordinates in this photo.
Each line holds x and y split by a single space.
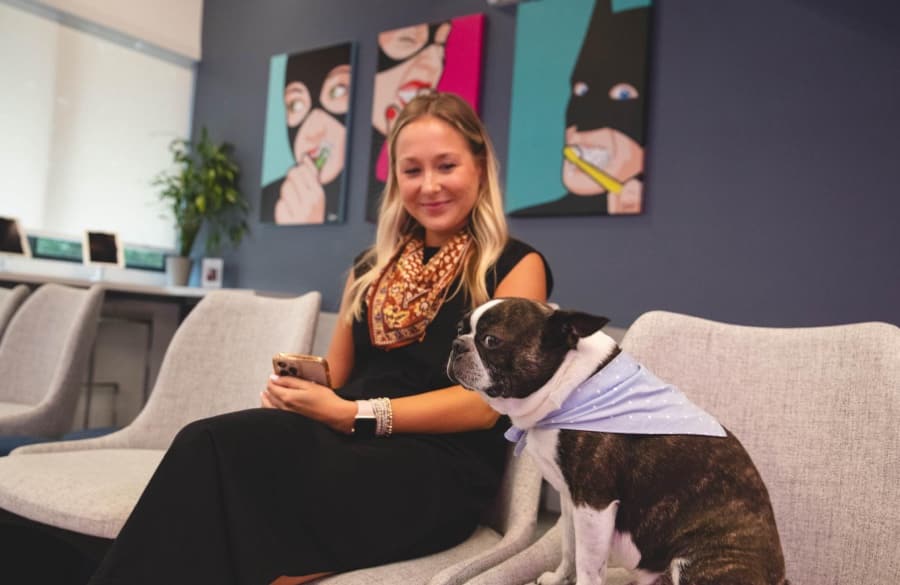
772 157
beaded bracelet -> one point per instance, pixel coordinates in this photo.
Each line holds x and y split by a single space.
384 416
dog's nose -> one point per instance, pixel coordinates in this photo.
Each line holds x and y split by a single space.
459 346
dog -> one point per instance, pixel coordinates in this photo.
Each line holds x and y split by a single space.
661 488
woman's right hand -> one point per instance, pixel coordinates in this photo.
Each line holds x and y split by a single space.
312 400
302 196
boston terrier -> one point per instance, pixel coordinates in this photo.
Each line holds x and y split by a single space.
648 480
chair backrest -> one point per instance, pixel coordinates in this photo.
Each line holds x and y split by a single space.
219 360
43 355
817 409
10 299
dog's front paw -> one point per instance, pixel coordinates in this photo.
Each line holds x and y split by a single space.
554 578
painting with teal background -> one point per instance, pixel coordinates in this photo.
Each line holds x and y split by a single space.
577 116
305 140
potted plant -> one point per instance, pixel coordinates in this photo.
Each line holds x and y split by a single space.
202 192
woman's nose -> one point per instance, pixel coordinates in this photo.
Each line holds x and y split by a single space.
430 182
313 129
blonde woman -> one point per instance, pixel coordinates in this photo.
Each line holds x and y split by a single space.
396 462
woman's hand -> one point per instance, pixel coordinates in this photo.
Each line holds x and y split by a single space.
311 400
302 196
627 201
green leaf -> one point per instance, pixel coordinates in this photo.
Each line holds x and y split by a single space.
201 190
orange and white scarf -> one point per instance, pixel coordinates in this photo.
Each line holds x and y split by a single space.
409 292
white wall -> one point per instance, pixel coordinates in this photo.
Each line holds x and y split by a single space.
26 110
89 122
171 24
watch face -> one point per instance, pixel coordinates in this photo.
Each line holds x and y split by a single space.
364 427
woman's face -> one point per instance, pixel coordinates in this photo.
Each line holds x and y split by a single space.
321 137
613 152
438 178
420 69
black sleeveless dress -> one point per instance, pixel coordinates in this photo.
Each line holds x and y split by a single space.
245 497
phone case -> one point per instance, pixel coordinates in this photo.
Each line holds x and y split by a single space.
308 367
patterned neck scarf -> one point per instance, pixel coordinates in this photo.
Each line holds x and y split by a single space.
409 292
625 397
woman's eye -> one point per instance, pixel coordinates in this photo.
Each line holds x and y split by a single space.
297 108
410 172
338 91
446 167
623 91
490 342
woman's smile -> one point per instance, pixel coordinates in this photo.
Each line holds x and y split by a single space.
438 178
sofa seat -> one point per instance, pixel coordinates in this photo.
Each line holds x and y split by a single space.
92 491
412 571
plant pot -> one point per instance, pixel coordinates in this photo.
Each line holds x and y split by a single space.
178 270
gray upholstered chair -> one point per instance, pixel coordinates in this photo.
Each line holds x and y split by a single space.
10 299
43 355
817 408
506 530
217 362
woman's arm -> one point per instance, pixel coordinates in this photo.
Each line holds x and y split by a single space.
448 410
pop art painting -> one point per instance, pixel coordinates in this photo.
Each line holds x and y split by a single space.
442 56
305 149
578 117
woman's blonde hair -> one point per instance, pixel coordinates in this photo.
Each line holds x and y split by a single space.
487 223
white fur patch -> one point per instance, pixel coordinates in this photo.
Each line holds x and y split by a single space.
594 531
478 312
623 552
577 367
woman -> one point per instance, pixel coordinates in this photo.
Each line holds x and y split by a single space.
316 100
301 487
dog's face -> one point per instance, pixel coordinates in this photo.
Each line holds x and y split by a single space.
509 348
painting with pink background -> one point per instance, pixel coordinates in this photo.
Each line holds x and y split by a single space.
446 56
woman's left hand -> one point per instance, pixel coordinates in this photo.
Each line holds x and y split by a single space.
311 400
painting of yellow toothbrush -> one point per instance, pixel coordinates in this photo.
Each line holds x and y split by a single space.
571 154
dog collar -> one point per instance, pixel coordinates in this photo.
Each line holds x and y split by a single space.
626 398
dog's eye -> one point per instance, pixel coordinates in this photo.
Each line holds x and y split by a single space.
490 341
459 328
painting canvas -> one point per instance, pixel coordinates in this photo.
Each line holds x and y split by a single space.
305 149
442 56
578 117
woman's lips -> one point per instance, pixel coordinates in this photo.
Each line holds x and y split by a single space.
411 89
435 206
405 94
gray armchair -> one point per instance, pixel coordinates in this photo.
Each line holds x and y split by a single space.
817 409
10 299
506 530
216 362
43 355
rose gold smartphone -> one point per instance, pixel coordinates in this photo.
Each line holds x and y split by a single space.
308 367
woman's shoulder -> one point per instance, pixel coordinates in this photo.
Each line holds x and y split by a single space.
512 254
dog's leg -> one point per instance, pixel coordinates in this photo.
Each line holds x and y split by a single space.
566 569
594 530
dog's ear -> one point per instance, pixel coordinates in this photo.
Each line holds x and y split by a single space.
574 325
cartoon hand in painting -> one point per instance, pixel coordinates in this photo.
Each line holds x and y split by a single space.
302 196
626 201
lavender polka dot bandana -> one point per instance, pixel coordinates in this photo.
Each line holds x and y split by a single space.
625 397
